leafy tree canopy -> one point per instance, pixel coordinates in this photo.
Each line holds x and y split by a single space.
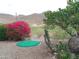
64 18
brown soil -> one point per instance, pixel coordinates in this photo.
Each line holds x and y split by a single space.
9 50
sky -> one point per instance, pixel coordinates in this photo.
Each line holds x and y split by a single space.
28 7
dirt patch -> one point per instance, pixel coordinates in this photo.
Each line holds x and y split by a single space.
9 50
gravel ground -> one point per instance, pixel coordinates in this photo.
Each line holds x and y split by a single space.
9 50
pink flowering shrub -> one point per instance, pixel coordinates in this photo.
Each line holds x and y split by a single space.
18 30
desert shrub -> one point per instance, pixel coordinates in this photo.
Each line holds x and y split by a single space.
63 51
2 32
64 18
12 34
18 30
58 33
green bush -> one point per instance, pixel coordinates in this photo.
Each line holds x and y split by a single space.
2 32
58 33
63 51
64 18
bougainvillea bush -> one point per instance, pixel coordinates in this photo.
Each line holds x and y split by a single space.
17 30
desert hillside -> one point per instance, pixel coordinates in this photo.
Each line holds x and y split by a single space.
31 19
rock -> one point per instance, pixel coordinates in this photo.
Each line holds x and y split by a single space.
74 44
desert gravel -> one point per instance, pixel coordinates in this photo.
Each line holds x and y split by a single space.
9 50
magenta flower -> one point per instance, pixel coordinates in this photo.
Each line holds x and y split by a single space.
22 28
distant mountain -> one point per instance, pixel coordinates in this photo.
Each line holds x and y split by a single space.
35 18
6 15
6 18
31 19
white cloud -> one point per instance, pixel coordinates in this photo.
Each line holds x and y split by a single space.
30 6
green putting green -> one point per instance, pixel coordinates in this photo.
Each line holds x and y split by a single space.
28 43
